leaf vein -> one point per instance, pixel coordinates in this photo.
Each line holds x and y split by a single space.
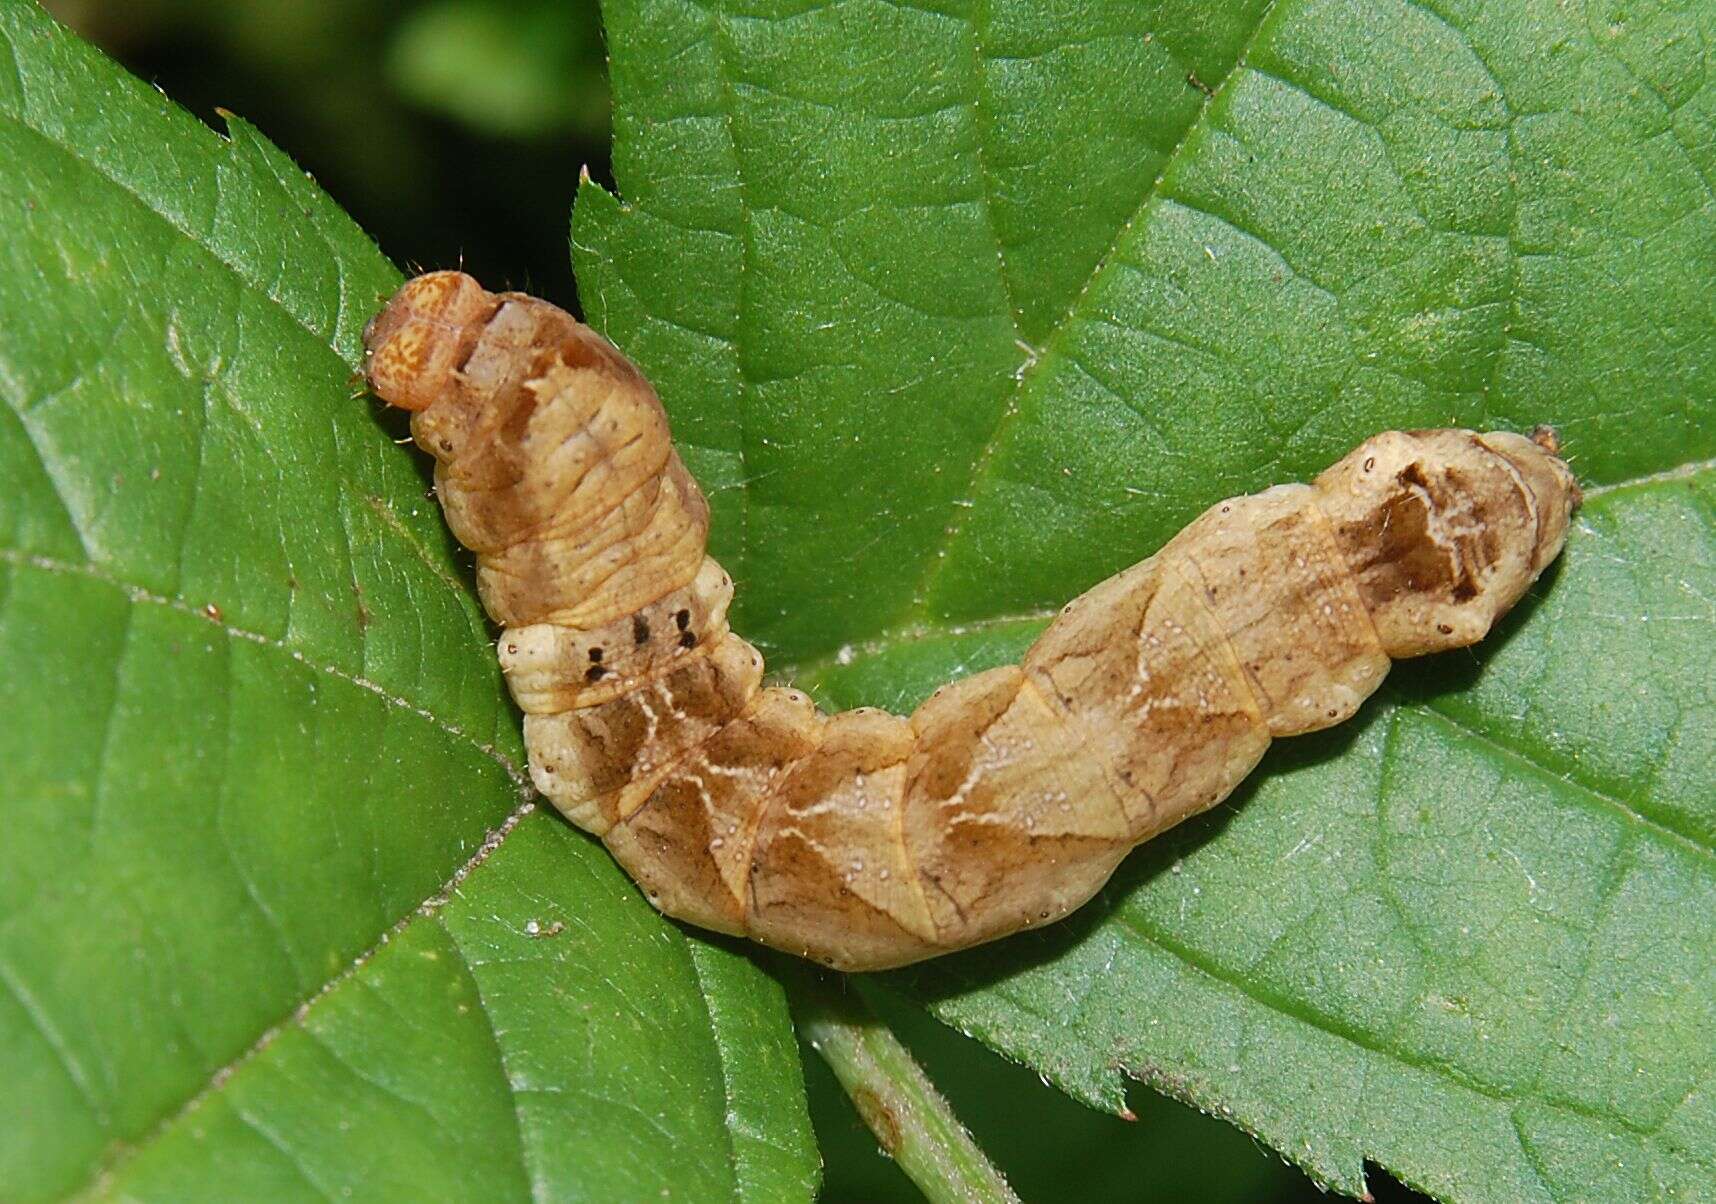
1032 370
198 239
1660 831
106 1173
139 595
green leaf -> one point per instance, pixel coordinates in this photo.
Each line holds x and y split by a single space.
961 308
524 68
1049 1147
260 935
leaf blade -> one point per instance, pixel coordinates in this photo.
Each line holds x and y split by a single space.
1383 217
502 1018
255 723
1476 975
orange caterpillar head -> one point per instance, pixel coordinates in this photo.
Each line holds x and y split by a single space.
414 346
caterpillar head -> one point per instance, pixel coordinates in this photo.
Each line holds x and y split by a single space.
1445 530
414 346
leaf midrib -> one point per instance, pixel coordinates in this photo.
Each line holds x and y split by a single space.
116 1158
918 610
1139 927
138 595
1658 830
197 239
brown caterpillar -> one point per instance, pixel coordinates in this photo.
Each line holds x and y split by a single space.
866 840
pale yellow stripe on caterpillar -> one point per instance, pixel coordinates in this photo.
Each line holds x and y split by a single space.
867 840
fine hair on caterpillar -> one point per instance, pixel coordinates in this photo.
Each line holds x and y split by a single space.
867 840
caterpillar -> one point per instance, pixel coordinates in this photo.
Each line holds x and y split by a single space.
866 840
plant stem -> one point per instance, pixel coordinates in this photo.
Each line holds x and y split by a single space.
912 1121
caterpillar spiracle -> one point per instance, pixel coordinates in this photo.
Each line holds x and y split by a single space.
866 840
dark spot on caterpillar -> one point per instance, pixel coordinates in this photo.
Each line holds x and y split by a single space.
512 649
595 673
1413 475
1398 549
682 619
1444 629
640 630
688 640
1369 463
596 655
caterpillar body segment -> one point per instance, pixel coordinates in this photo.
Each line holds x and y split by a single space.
867 840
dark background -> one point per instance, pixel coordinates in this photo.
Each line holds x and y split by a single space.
454 132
